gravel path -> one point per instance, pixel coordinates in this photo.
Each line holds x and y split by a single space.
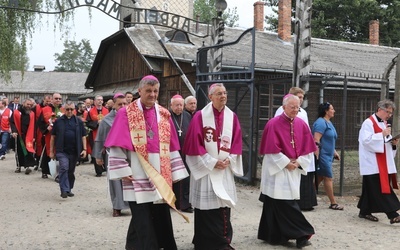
34 216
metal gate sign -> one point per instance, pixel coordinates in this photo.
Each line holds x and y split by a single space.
113 9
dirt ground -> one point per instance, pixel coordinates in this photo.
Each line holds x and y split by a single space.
34 216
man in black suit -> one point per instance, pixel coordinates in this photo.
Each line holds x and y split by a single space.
14 105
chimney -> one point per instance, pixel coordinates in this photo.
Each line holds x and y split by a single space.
285 20
259 15
374 32
38 68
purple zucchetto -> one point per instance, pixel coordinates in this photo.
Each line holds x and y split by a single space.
177 97
150 77
287 96
118 94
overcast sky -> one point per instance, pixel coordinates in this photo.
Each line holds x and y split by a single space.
45 42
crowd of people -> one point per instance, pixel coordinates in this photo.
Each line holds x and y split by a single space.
182 158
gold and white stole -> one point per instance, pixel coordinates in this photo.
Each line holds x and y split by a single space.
217 175
137 128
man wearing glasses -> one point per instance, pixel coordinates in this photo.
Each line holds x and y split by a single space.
68 140
308 196
94 117
213 166
288 148
23 132
377 149
50 113
101 155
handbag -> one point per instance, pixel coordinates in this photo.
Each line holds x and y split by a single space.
53 167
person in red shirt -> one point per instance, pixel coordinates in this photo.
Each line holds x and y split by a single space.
5 128
94 117
49 114
23 131
40 142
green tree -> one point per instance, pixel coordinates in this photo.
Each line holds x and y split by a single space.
348 20
20 60
206 11
75 57
17 26
344 20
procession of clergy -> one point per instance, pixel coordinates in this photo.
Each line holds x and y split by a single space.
157 159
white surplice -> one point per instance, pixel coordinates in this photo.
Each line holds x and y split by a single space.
277 181
371 143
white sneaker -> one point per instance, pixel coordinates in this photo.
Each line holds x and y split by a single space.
2 157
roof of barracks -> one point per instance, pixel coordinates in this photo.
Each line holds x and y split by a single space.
271 54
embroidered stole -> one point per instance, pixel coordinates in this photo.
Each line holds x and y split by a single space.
138 132
29 134
217 175
382 165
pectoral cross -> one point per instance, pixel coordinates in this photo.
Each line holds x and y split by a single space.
292 134
150 134
180 132
292 142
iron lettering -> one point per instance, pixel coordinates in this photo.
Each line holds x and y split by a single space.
113 9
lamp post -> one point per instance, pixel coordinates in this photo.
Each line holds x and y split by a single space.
220 5
217 34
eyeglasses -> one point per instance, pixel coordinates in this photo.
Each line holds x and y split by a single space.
69 109
388 112
57 98
292 107
220 93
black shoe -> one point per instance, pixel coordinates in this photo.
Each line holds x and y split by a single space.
302 242
28 170
70 194
188 210
99 175
44 176
64 195
57 179
18 170
116 213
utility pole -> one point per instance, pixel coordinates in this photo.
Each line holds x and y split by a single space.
302 46
396 112
217 37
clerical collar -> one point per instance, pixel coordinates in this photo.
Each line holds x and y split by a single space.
218 110
146 107
287 117
378 118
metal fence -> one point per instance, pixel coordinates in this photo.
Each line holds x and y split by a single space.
354 100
